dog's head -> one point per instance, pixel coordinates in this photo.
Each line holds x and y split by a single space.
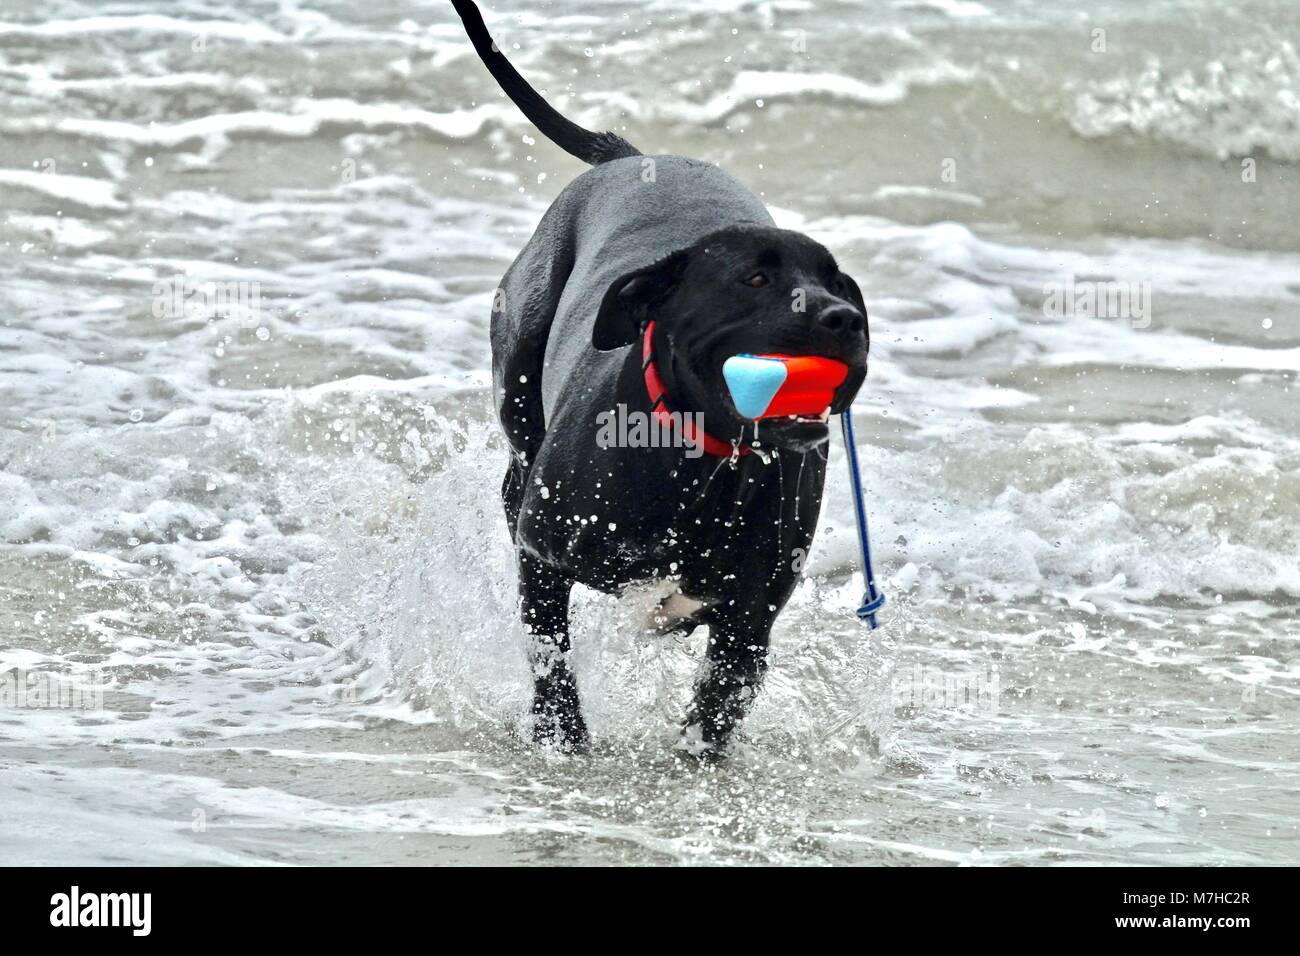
747 289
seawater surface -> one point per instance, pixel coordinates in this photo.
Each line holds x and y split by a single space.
269 530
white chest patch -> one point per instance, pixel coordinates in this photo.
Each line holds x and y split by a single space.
666 607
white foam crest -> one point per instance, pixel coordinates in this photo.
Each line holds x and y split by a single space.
771 86
42 84
249 32
930 193
957 9
1231 106
67 232
1020 516
1089 341
81 190
302 119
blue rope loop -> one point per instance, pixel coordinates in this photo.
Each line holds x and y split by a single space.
869 608
874 599
870 605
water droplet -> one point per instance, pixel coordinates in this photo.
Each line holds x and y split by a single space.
137 415
263 332
1267 323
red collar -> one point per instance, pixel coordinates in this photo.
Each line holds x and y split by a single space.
659 407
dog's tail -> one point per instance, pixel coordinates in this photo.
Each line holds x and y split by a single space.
594 148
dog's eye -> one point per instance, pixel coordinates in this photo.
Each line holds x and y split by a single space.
756 281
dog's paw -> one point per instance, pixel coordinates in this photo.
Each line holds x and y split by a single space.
692 748
573 743
565 732
557 712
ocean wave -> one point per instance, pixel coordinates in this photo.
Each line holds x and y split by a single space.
305 118
143 23
79 190
1232 106
754 89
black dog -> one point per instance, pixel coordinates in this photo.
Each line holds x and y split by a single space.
668 266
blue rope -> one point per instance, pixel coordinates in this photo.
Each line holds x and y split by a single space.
874 599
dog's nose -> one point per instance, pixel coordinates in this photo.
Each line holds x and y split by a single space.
841 319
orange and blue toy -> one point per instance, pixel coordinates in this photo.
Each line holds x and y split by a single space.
779 386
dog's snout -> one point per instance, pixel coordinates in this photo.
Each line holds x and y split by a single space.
841 319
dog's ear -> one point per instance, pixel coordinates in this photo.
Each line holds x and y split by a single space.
630 299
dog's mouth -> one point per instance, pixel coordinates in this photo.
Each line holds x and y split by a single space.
797 432
788 398
821 417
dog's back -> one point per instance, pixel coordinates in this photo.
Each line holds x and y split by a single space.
625 213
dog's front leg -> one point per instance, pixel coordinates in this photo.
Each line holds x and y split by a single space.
544 605
732 675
